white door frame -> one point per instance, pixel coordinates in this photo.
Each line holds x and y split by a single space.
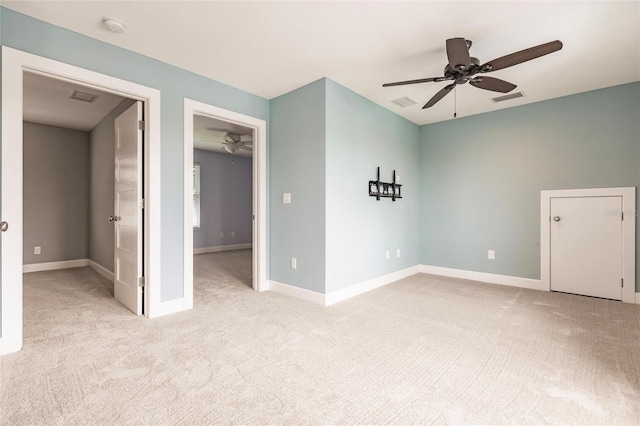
628 233
14 63
259 228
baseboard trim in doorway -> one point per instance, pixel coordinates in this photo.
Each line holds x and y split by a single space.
297 292
101 270
637 298
51 266
484 277
216 249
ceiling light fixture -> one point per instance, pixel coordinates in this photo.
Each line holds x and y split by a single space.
113 25
230 148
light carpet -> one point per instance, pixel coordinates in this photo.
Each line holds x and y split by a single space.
424 350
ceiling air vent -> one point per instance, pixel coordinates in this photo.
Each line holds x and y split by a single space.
82 96
404 102
507 97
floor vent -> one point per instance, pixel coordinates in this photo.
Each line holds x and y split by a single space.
404 102
507 97
82 96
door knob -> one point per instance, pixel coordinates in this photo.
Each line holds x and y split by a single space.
111 218
556 218
4 226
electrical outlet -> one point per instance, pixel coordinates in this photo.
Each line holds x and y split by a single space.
286 198
222 235
398 253
233 234
294 263
387 254
36 250
491 255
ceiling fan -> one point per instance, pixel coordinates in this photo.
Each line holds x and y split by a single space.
232 142
462 68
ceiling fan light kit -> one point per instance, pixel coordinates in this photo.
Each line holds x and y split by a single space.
463 68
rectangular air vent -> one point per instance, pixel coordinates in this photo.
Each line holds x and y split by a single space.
82 96
404 102
507 97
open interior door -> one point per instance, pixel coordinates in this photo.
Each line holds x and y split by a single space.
127 218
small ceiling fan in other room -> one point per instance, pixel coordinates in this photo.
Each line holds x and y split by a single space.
463 68
234 142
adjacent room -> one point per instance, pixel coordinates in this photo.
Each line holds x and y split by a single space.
388 212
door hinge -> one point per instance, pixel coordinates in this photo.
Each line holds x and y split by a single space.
622 282
622 215
140 125
141 203
141 282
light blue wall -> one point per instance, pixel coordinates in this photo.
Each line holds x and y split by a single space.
482 175
360 137
225 199
297 165
27 34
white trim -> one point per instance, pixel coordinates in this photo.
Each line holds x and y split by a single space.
215 249
297 292
14 62
637 298
363 287
259 228
628 233
52 266
484 277
101 270
342 294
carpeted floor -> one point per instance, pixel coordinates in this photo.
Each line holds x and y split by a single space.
423 350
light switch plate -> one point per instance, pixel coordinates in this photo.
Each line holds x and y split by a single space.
286 198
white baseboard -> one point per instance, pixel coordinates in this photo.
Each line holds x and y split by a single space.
50 266
372 284
484 277
297 292
343 294
101 270
216 249
637 298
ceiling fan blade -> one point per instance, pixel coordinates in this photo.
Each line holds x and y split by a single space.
458 53
441 94
493 84
522 56
421 80
246 148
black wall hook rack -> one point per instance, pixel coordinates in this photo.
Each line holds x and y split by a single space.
379 189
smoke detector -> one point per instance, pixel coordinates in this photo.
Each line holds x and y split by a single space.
113 25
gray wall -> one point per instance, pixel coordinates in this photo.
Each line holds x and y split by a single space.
101 187
226 191
297 165
482 175
56 193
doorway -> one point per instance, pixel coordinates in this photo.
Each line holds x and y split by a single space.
14 64
588 242
254 130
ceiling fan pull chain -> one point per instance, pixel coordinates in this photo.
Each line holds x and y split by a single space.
455 102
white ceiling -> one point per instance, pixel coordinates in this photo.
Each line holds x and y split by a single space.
269 48
208 134
47 101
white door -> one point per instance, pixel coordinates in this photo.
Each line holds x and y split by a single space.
128 215
586 246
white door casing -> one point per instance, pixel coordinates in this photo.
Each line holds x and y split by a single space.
127 218
259 231
14 64
586 246
628 236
